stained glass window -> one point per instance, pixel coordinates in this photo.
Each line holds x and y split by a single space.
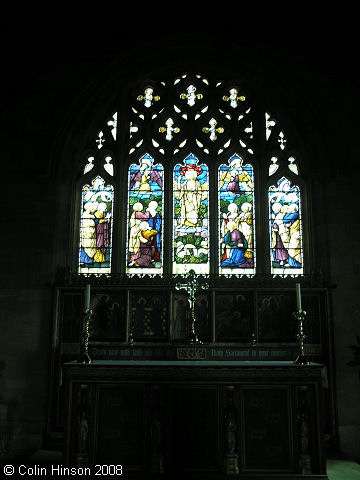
236 217
96 227
145 217
191 217
210 190
286 253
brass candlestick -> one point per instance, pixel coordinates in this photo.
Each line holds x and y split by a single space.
300 316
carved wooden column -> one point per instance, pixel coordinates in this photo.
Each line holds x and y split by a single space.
82 419
231 459
304 437
156 433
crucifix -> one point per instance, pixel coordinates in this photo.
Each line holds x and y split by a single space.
191 284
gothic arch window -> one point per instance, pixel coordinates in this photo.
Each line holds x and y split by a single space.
236 217
191 217
145 217
192 173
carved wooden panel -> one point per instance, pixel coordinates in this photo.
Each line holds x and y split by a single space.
120 426
149 316
266 442
109 317
276 320
194 428
234 317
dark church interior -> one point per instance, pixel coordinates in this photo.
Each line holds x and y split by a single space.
203 372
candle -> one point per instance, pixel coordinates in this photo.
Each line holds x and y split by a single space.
298 297
87 296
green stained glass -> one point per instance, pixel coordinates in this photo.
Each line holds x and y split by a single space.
145 217
236 218
191 215
285 228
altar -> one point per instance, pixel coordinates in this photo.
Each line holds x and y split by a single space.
194 418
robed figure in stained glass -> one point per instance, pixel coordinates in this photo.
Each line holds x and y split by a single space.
191 234
145 217
235 246
95 227
236 222
285 227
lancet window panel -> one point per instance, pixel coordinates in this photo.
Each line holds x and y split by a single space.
285 223
236 217
145 217
95 249
191 217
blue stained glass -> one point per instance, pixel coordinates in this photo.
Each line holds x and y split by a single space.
96 227
145 217
236 217
191 215
285 228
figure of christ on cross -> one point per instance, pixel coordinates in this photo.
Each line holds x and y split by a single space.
191 284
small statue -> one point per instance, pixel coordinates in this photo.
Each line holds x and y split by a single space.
156 436
83 430
230 432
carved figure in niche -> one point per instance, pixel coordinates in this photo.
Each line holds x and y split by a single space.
304 434
83 430
230 431
233 317
156 435
274 314
180 319
102 315
202 317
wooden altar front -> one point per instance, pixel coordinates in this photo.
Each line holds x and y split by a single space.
189 419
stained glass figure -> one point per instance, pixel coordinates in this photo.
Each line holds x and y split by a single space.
96 227
191 214
285 228
145 217
236 218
